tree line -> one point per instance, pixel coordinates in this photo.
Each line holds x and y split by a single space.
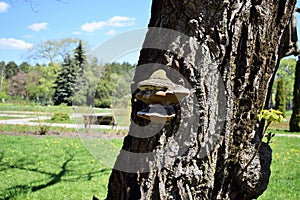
78 80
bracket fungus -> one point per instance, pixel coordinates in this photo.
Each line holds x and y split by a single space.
159 89
157 113
161 95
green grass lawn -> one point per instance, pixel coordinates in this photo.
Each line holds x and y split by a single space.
13 107
24 129
54 167
13 117
67 121
11 128
285 174
33 108
51 168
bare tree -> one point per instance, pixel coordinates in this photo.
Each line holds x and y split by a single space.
31 4
243 38
53 50
18 85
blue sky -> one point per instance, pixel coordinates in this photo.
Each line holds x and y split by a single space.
25 25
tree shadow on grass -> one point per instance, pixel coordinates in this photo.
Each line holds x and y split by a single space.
54 178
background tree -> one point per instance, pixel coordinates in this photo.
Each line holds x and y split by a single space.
17 85
93 72
3 94
80 58
103 94
280 99
40 86
108 83
295 119
2 74
33 86
65 83
53 50
243 38
24 67
286 71
11 69
82 84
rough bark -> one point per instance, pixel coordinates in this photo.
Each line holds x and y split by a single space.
288 46
243 38
295 119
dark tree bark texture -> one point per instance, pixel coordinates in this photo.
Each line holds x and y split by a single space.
243 38
288 46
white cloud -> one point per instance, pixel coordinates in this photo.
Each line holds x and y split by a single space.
119 21
93 26
111 32
38 26
12 43
3 7
116 21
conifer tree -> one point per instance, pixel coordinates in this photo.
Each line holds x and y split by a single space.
295 119
80 58
65 83
280 99
82 84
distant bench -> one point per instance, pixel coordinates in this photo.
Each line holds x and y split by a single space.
98 119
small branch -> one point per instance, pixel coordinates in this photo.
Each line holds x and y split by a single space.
256 150
31 4
252 158
292 52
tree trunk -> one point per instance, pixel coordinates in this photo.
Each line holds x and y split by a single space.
204 151
295 119
288 46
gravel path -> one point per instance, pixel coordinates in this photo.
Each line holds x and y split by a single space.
288 135
30 121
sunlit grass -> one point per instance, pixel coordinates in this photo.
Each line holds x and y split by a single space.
62 168
13 107
12 128
33 108
51 168
285 171
12 117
